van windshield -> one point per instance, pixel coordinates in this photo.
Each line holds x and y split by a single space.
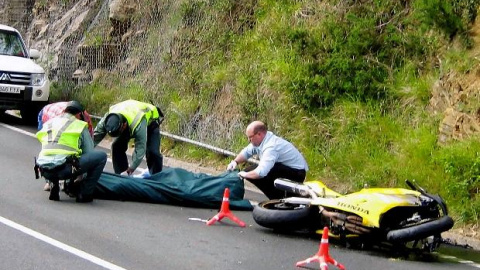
11 44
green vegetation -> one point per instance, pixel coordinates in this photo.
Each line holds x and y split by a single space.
348 82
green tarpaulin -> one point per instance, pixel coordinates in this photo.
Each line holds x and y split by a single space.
175 186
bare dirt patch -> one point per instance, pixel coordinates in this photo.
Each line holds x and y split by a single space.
466 235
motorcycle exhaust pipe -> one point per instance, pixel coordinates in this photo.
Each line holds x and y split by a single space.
351 223
356 229
292 187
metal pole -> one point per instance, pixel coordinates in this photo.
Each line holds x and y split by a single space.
204 145
200 144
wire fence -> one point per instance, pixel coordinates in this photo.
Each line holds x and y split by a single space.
186 140
196 143
124 41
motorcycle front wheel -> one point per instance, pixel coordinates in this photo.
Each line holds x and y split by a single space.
278 215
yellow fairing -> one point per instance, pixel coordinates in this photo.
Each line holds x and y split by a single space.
321 189
371 203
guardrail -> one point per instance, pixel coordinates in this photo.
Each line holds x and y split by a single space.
186 140
200 144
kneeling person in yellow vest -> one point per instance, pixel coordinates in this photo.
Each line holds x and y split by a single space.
132 119
68 152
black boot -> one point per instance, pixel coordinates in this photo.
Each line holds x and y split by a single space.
55 192
72 188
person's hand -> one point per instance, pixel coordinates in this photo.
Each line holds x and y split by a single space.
79 178
242 174
129 171
232 166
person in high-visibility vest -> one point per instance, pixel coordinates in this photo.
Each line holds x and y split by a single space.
55 109
132 119
52 110
68 153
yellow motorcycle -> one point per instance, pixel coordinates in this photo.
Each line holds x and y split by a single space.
406 218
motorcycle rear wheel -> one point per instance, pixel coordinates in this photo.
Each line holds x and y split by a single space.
278 215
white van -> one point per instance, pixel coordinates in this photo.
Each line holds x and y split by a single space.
24 85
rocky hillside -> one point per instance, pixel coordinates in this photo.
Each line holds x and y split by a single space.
455 97
63 31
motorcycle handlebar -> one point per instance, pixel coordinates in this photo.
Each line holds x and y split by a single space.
413 185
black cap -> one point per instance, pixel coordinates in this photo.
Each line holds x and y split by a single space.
74 107
113 122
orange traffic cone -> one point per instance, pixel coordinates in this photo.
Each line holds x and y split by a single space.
225 211
322 255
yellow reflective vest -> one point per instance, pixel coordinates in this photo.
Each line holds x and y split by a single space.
134 111
61 135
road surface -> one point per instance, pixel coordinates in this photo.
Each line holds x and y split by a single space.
40 234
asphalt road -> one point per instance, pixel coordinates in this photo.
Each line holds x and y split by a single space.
40 234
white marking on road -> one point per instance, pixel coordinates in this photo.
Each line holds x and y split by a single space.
448 257
60 245
198 219
471 263
254 203
18 130
29 133
467 262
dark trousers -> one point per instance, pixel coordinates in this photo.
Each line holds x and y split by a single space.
278 170
152 153
91 163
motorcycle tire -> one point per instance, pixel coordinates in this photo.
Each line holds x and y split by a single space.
277 215
421 231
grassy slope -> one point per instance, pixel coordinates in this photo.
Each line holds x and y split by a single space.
347 83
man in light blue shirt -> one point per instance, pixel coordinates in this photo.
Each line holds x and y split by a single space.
278 159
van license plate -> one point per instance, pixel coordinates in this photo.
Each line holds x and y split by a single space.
10 89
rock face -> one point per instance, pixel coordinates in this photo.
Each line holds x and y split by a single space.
451 97
13 14
61 30
120 16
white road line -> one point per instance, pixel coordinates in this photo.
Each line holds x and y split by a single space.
49 240
467 262
60 245
18 130
448 257
28 133
471 263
